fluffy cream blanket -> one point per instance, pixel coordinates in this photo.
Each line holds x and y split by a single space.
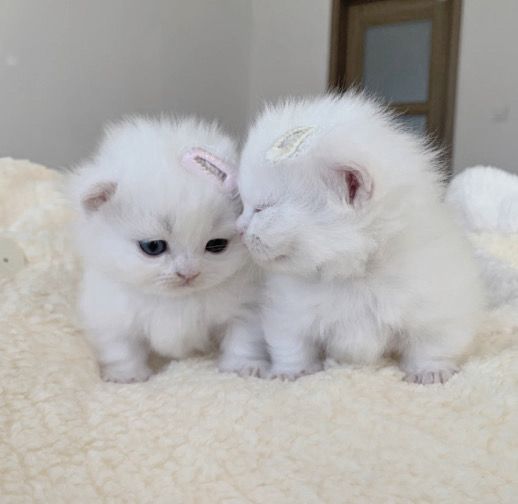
191 434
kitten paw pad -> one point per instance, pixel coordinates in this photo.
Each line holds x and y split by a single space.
292 375
125 374
427 377
331 363
255 368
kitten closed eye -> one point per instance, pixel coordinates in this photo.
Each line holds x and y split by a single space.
264 206
153 247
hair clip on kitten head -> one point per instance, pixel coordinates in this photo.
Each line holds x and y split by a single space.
199 160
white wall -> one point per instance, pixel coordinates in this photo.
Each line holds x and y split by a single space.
486 130
289 49
66 67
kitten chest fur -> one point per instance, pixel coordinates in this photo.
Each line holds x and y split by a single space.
364 312
175 327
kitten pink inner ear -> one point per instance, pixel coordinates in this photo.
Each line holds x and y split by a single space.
358 186
201 161
98 195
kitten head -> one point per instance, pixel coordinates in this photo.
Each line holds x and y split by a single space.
157 206
323 181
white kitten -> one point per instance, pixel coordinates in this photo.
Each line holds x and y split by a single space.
344 210
164 266
486 199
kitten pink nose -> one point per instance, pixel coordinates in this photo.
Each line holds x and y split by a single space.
241 227
187 277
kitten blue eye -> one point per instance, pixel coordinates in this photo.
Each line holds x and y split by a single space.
153 247
216 246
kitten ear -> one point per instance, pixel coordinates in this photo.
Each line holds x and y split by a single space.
98 195
357 185
201 161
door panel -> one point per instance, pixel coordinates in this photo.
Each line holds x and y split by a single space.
396 60
403 51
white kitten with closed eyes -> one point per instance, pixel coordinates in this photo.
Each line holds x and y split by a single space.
164 267
344 210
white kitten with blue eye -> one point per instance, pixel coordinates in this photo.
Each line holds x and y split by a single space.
344 210
164 267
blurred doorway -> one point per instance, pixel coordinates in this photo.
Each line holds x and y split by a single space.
404 51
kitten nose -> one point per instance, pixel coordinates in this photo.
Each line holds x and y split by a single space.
187 277
241 227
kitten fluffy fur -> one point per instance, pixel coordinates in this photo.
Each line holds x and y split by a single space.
486 199
344 210
139 187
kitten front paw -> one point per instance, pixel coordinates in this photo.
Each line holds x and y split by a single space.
292 374
125 372
243 367
431 376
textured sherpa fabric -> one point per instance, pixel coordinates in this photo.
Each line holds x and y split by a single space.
193 435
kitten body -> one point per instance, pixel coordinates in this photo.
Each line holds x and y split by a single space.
344 210
154 183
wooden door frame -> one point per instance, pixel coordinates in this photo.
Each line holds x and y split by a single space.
338 58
